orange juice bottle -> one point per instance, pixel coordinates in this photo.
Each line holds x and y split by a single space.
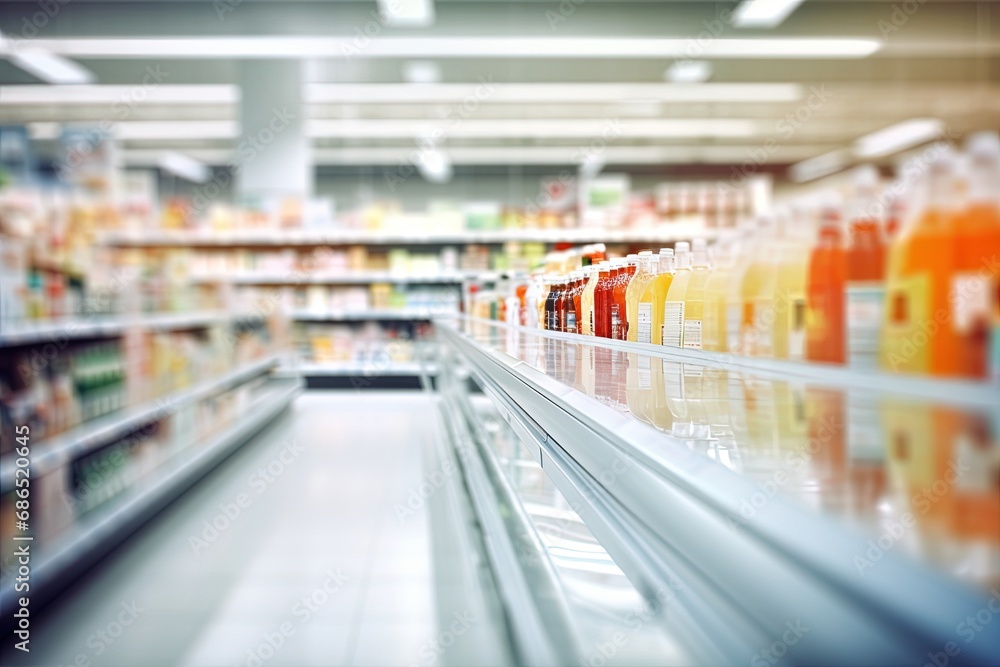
975 285
650 308
694 297
917 336
673 305
757 293
865 288
587 301
619 308
825 290
602 301
642 277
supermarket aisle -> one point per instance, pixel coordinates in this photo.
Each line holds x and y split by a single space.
291 553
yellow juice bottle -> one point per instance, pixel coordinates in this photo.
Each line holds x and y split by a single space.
635 288
732 320
714 328
673 306
587 302
650 308
790 289
694 297
757 294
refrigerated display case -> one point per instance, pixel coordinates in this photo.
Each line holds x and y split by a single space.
754 509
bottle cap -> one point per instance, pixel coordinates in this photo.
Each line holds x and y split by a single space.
645 253
682 246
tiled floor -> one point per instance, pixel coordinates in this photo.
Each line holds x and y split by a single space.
317 568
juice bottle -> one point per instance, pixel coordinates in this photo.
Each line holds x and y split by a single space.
602 301
650 309
975 285
741 257
551 311
825 290
865 289
531 300
694 296
790 289
560 303
918 336
634 291
581 281
673 304
714 327
757 293
543 298
618 305
587 302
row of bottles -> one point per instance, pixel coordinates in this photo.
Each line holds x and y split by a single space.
839 281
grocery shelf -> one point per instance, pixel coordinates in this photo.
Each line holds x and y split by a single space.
99 532
952 392
58 330
667 233
357 369
401 315
669 504
52 453
357 278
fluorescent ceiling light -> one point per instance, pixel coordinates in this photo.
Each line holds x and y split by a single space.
110 94
539 128
689 71
421 71
898 137
408 13
822 165
528 93
456 47
763 13
151 130
51 68
185 167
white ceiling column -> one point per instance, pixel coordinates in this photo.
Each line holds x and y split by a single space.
274 155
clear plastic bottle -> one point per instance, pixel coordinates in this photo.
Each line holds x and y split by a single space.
636 285
865 288
587 301
757 290
673 306
651 302
602 301
694 296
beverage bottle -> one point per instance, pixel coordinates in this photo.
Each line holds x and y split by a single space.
741 257
673 305
521 292
531 296
634 290
650 309
560 303
790 289
714 326
587 301
865 288
825 290
694 296
758 290
577 296
602 301
917 336
618 305
543 299
551 312
975 285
